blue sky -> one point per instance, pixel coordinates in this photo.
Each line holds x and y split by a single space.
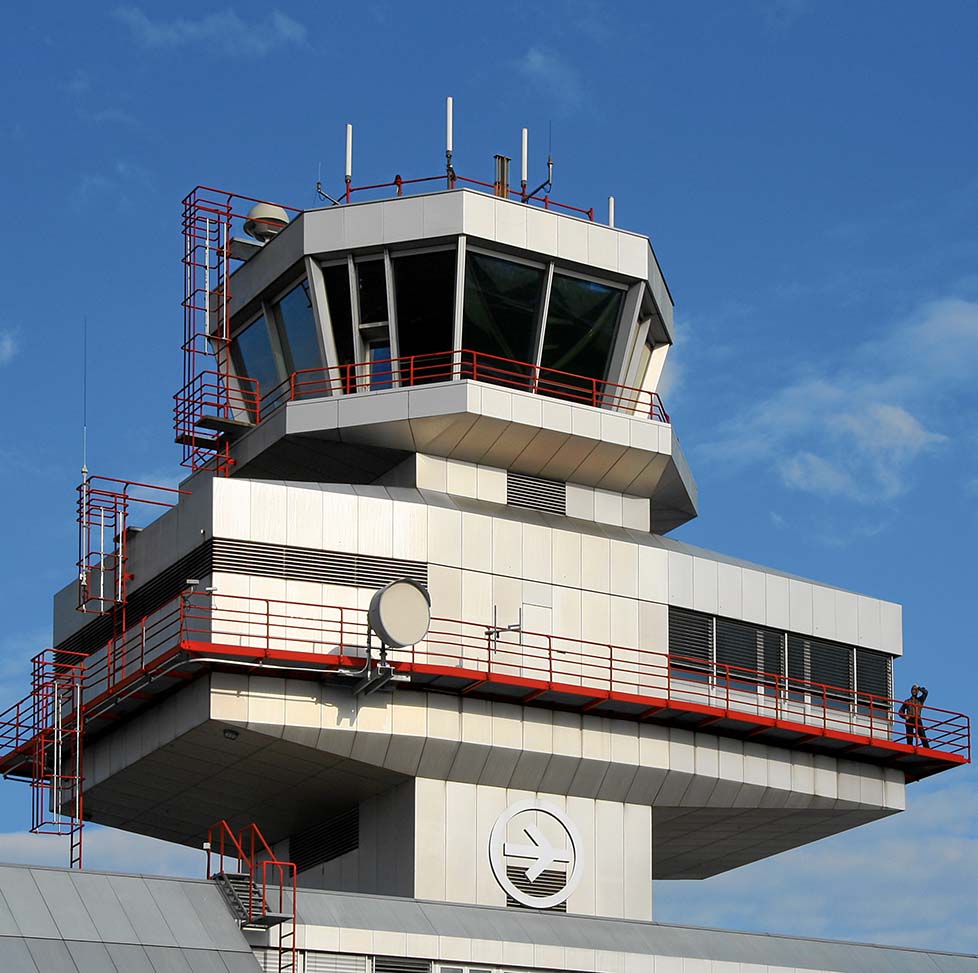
807 173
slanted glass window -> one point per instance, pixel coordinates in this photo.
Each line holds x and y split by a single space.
581 322
337 279
372 291
424 289
381 369
297 329
500 311
251 353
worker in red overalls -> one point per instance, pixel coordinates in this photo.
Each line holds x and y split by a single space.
910 711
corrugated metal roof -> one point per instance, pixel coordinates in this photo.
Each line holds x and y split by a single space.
57 921
347 910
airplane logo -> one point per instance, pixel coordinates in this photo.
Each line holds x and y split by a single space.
537 850
540 851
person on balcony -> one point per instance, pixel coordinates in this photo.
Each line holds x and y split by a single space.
911 713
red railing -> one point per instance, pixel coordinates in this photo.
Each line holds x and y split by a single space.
456 366
300 636
274 881
451 180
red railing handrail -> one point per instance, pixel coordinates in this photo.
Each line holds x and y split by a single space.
463 364
249 843
316 631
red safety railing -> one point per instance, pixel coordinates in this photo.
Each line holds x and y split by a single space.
210 219
273 881
456 366
452 180
297 636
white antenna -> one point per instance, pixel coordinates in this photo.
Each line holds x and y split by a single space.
85 397
449 140
611 211
524 163
349 159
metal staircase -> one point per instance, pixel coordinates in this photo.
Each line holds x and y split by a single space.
259 889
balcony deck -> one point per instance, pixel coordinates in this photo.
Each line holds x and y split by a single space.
196 632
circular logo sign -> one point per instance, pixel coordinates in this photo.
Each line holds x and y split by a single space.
517 838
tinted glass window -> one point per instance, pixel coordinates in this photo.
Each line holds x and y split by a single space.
297 327
581 322
502 301
252 355
372 283
381 370
337 280
424 289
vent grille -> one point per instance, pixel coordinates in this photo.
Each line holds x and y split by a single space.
305 564
548 882
145 599
690 639
745 646
249 557
821 662
535 493
334 963
873 673
326 841
401 964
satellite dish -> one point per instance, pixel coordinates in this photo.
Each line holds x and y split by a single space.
264 221
400 613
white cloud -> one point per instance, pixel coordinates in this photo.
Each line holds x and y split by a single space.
9 346
553 74
856 428
225 31
911 880
104 849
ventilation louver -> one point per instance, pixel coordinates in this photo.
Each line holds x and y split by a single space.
334 963
535 493
548 882
324 842
401 964
252 558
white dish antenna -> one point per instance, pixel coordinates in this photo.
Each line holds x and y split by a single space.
400 613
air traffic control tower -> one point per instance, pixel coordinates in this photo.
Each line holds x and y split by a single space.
439 398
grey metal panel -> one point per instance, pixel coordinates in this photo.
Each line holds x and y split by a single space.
142 911
102 905
15 957
129 958
168 959
65 904
92 958
351 910
51 956
179 913
209 905
8 927
241 962
25 902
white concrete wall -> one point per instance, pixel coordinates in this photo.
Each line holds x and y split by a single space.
452 840
512 560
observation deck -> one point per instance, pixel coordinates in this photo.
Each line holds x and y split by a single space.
455 324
